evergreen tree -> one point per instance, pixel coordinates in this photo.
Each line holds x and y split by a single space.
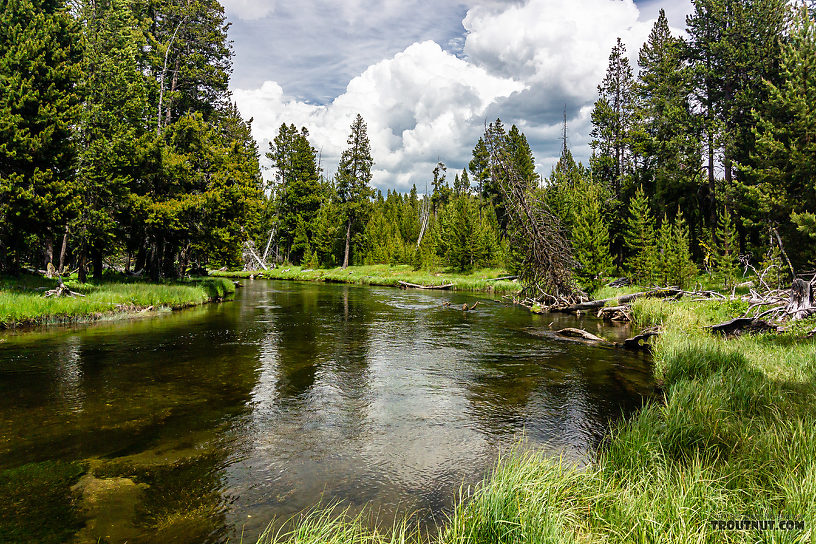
39 67
726 249
733 46
612 121
590 238
522 156
640 239
441 191
112 132
479 166
665 141
783 187
297 189
353 178
680 266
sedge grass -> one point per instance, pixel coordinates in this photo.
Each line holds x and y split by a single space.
22 300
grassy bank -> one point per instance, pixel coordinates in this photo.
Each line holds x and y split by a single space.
734 438
23 302
476 281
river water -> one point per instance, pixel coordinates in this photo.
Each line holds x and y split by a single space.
202 425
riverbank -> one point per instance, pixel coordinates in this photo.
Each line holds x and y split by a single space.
477 281
734 438
23 302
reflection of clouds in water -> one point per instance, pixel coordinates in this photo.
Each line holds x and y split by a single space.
69 374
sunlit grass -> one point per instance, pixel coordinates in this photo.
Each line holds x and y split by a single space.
23 300
387 275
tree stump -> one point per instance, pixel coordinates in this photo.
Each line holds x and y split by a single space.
801 300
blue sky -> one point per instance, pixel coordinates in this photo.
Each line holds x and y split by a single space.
426 75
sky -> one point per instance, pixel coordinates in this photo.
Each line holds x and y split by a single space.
427 75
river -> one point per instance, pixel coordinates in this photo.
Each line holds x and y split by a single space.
200 425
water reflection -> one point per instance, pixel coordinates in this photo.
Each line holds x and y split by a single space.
233 414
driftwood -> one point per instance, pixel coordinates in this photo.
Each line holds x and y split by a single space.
503 278
616 313
596 304
406 285
570 332
741 325
638 342
62 291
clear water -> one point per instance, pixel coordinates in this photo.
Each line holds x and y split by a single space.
205 424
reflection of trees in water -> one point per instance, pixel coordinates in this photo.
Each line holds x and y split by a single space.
566 399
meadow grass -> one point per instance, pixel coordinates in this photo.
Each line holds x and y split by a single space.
732 438
23 302
389 275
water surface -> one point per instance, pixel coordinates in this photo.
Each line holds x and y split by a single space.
205 423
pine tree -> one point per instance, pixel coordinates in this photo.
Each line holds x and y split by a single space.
681 268
665 140
298 189
726 249
612 120
112 132
784 186
665 251
39 60
590 238
640 239
441 192
353 178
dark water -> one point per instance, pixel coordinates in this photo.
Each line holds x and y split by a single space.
199 425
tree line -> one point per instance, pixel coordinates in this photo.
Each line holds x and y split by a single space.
121 145
120 142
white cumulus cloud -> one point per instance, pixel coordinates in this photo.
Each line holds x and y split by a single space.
522 61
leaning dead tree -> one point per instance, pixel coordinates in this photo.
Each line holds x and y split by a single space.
534 231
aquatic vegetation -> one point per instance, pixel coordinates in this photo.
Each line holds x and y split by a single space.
36 502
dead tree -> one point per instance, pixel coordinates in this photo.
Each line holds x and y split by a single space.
546 256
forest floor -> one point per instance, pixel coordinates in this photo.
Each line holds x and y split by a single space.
23 302
388 275
731 438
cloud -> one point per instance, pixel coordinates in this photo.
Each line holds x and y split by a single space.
523 62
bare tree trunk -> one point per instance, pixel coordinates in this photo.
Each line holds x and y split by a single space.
63 251
348 245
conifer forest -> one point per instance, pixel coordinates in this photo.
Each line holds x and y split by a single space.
122 148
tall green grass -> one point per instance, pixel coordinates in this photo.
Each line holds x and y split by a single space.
387 275
733 438
23 302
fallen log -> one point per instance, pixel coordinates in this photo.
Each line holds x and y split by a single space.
504 278
615 313
406 285
639 341
570 332
740 325
596 304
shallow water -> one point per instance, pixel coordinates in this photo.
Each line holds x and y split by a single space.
207 423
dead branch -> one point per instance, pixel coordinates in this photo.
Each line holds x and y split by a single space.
62 290
616 313
596 304
547 258
639 341
570 332
406 285
741 325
